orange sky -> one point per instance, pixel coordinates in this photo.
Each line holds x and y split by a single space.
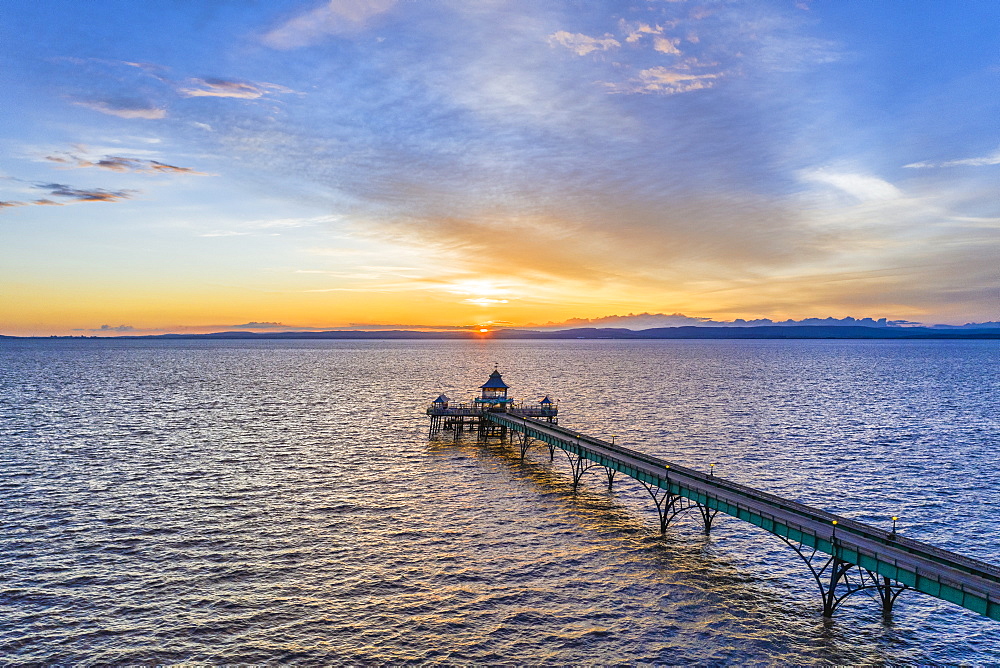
328 164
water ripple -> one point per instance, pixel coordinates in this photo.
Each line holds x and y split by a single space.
280 502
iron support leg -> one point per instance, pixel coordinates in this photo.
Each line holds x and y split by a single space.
830 601
525 441
707 515
580 466
664 501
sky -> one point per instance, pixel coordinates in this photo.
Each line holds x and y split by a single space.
183 166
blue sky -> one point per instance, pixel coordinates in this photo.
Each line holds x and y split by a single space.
178 165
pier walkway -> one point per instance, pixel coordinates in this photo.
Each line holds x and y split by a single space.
844 556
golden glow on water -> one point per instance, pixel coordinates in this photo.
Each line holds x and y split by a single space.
281 502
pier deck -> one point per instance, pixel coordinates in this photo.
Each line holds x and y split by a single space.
892 563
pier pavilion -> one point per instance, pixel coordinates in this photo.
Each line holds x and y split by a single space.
493 398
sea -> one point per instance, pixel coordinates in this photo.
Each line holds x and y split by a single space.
284 502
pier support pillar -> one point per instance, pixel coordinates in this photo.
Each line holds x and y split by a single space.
707 515
838 569
665 503
525 442
580 466
838 579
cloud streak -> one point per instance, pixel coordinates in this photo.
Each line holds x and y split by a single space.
637 321
666 81
144 82
336 17
581 44
82 194
244 90
130 109
862 187
984 161
121 164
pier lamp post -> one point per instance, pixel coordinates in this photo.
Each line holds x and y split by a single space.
893 534
711 470
833 537
613 437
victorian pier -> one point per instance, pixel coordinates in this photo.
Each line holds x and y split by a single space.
844 556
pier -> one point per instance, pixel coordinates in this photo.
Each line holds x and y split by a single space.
445 414
844 556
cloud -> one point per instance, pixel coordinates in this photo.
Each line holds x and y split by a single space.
336 17
70 195
581 44
666 81
82 195
109 328
150 81
985 161
271 227
485 301
398 326
636 321
124 108
260 325
246 90
121 164
636 31
666 45
860 186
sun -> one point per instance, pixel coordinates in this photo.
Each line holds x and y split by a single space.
483 330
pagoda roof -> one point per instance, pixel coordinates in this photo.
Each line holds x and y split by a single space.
441 400
495 382
546 400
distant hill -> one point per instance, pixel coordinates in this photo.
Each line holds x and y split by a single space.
761 332
686 332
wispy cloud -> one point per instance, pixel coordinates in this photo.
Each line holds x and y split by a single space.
985 161
65 194
665 80
863 187
260 325
270 227
111 329
82 194
336 17
637 321
151 89
246 90
651 58
124 108
581 44
120 164
636 31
